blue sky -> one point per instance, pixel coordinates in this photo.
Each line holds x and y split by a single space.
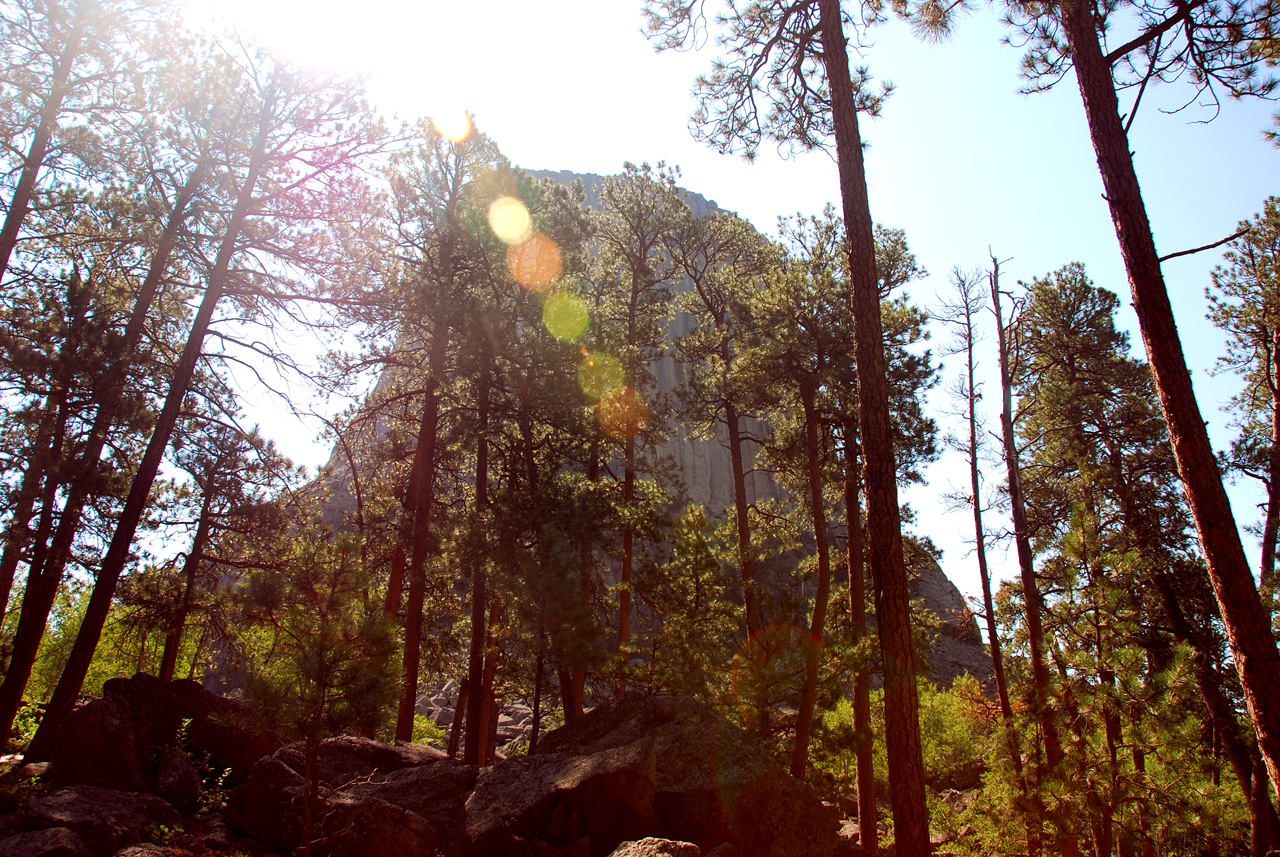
959 158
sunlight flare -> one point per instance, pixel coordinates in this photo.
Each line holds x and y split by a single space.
453 124
510 220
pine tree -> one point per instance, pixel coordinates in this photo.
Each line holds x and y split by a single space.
1246 304
788 80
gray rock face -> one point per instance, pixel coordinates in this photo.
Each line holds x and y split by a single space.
958 647
705 475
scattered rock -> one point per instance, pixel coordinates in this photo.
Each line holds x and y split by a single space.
651 846
53 842
148 850
346 758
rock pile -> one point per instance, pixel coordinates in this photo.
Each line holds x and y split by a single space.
638 776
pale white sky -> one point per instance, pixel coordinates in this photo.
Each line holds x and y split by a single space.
959 159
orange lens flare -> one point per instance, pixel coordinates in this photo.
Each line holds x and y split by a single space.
622 414
535 264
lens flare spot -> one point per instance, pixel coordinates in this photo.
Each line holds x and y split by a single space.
622 414
599 373
510 220
535 264
454 125
566 317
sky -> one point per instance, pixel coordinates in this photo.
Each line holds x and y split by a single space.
959 159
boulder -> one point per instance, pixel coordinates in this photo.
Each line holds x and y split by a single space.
344 759
714 784
105 819
53 842
98 746
268 804
176 779
651 846
606 798
374 799
437 792
143 733
149 850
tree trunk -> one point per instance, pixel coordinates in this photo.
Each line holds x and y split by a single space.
31 164
486 700
1247 623
818 515
537 698
459 715
117 555
884 525
1271 524
479 594
868 833
1044 714
173 637
18 535
45 575
746 557
988 604
628 538
422 496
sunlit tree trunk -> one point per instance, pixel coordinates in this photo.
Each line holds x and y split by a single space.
20 203
902 733
1041 709
113 563
472 754
1247 624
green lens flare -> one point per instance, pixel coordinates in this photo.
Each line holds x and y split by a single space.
565 316
598 374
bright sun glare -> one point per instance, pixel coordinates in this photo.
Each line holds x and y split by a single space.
400 47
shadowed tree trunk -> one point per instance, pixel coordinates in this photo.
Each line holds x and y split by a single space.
20 203
422 496
818 515
47 564
868 834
